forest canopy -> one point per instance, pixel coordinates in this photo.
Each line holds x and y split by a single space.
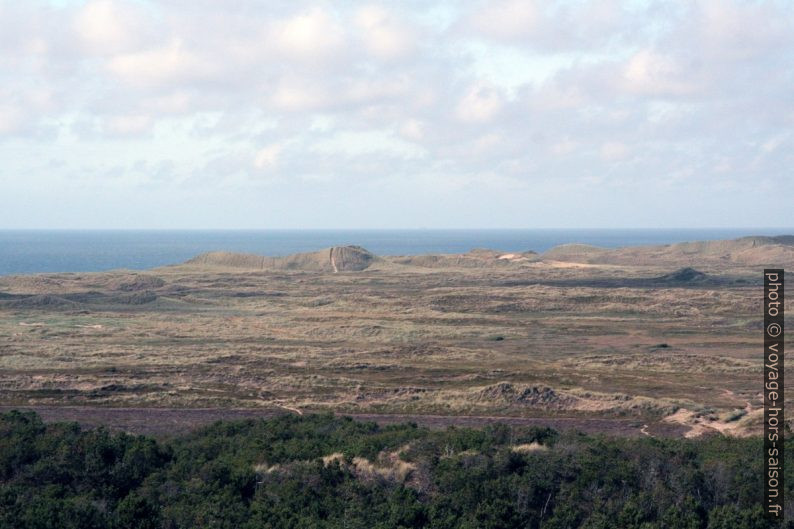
333 472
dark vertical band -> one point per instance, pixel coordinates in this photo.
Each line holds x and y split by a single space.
773 393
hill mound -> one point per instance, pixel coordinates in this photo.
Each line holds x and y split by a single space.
534 396
136 283
335 259
684 275
574 252
42 301
748 251
476 258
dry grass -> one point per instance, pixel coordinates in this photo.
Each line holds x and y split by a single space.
529 448
600 340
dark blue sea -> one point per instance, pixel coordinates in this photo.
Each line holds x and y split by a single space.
34 251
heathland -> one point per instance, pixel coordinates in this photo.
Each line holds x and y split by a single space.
643 341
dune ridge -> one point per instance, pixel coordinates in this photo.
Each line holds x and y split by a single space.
334 259
745 251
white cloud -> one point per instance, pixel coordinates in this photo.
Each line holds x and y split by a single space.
613 151
584 25
109 26
738 30
372 141
295 94
563 147
481 103
312 36
567 97
507 19
11 119
177 101
650 73
462 94
268 156
128 125
384 35
488 143
172 63
413 129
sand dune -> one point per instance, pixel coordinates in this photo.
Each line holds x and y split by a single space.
335 259
746 251
484 333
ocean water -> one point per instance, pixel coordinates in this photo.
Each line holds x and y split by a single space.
35 251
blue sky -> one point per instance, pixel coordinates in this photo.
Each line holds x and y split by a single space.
466 114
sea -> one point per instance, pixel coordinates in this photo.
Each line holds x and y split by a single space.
44 251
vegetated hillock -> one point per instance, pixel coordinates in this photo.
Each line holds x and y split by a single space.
684 275
77 300
574 252
140 297
476 258
136 282
748 251
335 259
40 301
535 396
324 471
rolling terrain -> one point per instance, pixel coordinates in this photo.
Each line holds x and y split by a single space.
659 340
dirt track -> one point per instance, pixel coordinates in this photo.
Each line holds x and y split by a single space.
174 421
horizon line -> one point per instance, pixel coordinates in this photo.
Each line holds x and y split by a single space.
546 228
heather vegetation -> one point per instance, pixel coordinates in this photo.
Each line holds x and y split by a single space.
657 340
330 472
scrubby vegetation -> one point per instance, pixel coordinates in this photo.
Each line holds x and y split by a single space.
324 471
476 334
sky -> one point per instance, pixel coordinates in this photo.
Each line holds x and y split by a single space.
411 114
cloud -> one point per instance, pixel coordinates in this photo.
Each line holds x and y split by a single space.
413 129
128 125
111 26
313 36
613 151
23 110
296 94
267 156
169 64
384 35
563 147
11 119
554 26
480 103
740 30
591 94
651 73
507 19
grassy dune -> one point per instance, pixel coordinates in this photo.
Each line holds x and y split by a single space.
484 333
